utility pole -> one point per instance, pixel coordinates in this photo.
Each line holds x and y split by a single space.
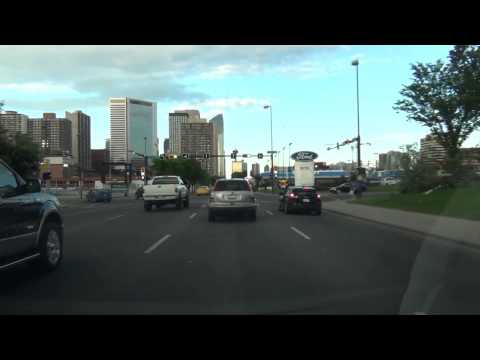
359 163
145 158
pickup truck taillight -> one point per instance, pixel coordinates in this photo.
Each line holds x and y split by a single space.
318 195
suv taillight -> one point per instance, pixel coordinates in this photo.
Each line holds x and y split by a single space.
292 195
318 195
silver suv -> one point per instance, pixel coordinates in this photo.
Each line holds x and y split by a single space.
231 197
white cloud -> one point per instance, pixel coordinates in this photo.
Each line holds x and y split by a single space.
34 87
152 72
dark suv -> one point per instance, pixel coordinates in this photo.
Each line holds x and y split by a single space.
31 227
303 198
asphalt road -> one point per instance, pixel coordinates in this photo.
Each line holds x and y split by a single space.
119 259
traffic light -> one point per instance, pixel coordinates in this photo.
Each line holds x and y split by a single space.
206 156
245 155
260 156
338 146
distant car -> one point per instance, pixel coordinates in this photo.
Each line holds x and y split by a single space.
202 190
99 195
390 181
31 225
343 188
232 197
301 198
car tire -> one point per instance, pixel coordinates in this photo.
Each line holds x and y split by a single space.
187 202
211 217
50 247
147 207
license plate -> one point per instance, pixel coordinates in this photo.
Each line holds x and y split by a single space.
306 200
232 198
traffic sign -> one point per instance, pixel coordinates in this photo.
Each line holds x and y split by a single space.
260 156
185 156
162 157
245 155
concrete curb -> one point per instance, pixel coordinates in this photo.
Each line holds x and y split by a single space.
403 228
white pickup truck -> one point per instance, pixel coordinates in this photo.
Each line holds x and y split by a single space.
165 190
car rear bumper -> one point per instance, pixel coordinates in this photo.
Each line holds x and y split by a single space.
294 205
229 208
159 198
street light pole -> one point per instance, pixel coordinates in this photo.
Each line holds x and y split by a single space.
271 141
145 160
290 144
283 160
359 163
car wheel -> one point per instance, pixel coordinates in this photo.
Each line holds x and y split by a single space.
179 204
211 217
50 246
147 207
187 202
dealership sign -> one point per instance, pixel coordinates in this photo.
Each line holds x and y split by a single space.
304 156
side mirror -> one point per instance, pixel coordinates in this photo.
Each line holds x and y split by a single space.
32 186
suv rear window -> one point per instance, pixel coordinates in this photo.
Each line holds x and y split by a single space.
232 186
165 180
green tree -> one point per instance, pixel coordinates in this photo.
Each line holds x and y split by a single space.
188 169
20 153
445 97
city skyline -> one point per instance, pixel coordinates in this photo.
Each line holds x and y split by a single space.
309 85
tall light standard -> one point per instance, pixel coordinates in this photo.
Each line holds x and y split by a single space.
145 158
359 163
283 160
290 144
271 141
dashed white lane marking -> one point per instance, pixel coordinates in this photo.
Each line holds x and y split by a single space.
115 217
193 215
268 212
300 233
158 243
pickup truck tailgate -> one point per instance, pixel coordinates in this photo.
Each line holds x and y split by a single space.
160 189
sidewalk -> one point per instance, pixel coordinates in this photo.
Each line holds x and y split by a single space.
460 230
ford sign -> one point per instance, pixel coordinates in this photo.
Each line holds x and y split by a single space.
304 156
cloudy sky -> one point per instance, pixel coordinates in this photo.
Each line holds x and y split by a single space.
311 89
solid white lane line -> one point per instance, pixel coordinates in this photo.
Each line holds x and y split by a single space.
300 233
115 217
193 215
268 212
158 243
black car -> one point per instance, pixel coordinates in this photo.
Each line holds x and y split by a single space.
300 198
342 188
31 226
